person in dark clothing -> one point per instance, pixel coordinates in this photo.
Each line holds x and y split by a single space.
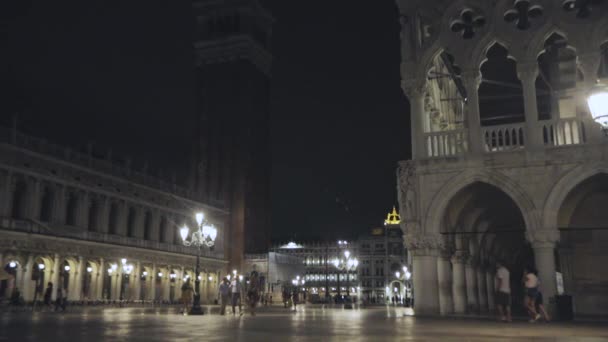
47 294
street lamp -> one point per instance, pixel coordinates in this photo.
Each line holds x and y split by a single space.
405 277
598 104
348 265
204 236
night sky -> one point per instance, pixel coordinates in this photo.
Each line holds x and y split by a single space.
121 74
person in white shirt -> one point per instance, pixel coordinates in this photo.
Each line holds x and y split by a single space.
503 292
531 283
235 290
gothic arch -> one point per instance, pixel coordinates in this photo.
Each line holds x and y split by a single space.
436 208
562 187
479 54
537 44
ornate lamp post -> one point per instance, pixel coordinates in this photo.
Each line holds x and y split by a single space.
598 105
405 278
204 236
348 265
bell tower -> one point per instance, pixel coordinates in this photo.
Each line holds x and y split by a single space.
232 163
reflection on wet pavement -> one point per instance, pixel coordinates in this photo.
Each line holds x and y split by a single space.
277 324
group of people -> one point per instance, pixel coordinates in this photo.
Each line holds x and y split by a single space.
232 291
533 297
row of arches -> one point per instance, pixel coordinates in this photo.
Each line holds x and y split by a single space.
97 279
32 199
485 222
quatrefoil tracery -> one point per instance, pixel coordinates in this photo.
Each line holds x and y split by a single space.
468 23
522 12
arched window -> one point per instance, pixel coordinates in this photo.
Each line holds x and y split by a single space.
113 219
71 209
93 215
148 226
131 223
18 209
162 237
46 204
500 93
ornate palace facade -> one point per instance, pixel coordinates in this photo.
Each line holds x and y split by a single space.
507 163
99 230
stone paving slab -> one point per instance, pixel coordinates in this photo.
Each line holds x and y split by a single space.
278 324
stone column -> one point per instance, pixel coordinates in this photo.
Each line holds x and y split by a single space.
543 243
472 80
415 95
459 285
425 251
137 281
55 275
153 277
101 273
444 274
27 284
482 293
490 290
471 280
527 72
82 265
118 283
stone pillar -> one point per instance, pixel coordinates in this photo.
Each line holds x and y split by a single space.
118 287
471 280
527 72
425 251
482 293
153 284
415 95
543 243
490 290
27 284
55 275
137 281
101 273
78 274
444 275
472 80
459 285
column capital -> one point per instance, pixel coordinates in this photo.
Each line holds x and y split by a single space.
543 238
527 71
421 244
460 257
413 88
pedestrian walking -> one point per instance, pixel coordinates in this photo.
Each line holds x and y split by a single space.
235 291
540 308
48 293
224 291
531 292
294 297
60 300
187 294
503 292
285 297
253 291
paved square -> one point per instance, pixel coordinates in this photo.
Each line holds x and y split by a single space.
278 324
